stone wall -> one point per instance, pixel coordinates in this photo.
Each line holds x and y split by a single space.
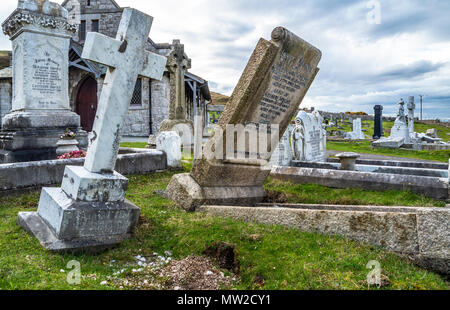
5 98
160 102
138 120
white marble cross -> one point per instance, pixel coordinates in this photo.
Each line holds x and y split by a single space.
126 59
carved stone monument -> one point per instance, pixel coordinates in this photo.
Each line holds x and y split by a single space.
399 133
178 63
40 35
90 210
309 138
266 98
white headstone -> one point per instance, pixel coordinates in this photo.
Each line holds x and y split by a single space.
170 143
357 133
308 139
282 156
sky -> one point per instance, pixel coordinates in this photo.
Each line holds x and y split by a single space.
374 52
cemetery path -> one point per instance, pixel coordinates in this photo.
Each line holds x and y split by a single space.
383 157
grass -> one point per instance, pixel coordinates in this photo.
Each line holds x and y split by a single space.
285 258
366 147
317 194
135 145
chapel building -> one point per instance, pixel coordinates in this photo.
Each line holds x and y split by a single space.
150 102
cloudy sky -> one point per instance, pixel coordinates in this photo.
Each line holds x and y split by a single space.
368 58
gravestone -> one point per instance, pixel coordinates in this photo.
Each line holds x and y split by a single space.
356 133
378 122
178 63
282 156
400 129
399 132
40 112
170 143
309 138
266 98
89 211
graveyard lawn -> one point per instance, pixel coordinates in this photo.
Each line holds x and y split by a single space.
270 257
366 147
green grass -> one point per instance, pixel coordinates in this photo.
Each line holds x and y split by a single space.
135 145
285 258
366 147
317 194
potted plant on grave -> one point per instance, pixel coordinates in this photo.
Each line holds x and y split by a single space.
67 143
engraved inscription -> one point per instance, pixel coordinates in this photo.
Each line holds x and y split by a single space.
314 140
46 79
287 80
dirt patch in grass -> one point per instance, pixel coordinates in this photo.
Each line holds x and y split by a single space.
194 273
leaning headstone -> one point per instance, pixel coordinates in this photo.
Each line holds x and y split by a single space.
178 63
40 35
170 143
282 156
378 122
308 138
89 211
357 133
272 86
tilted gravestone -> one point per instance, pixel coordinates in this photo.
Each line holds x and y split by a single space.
271 88
40 112
90 210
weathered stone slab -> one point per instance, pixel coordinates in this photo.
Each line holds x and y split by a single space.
421 233
271 88
436 188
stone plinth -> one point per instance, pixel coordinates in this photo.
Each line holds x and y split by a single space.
348 160
88 212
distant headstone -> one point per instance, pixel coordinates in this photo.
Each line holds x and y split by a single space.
170 143
399 132
178 63
90 210
400 129
272 86
309 138
282 156
40 35
357 133
378 122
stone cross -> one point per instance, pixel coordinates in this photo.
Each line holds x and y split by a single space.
126 58
177 65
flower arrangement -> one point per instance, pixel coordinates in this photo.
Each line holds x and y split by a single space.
68 135
74 154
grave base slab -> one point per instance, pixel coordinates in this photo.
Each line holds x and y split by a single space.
189 195
36 226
